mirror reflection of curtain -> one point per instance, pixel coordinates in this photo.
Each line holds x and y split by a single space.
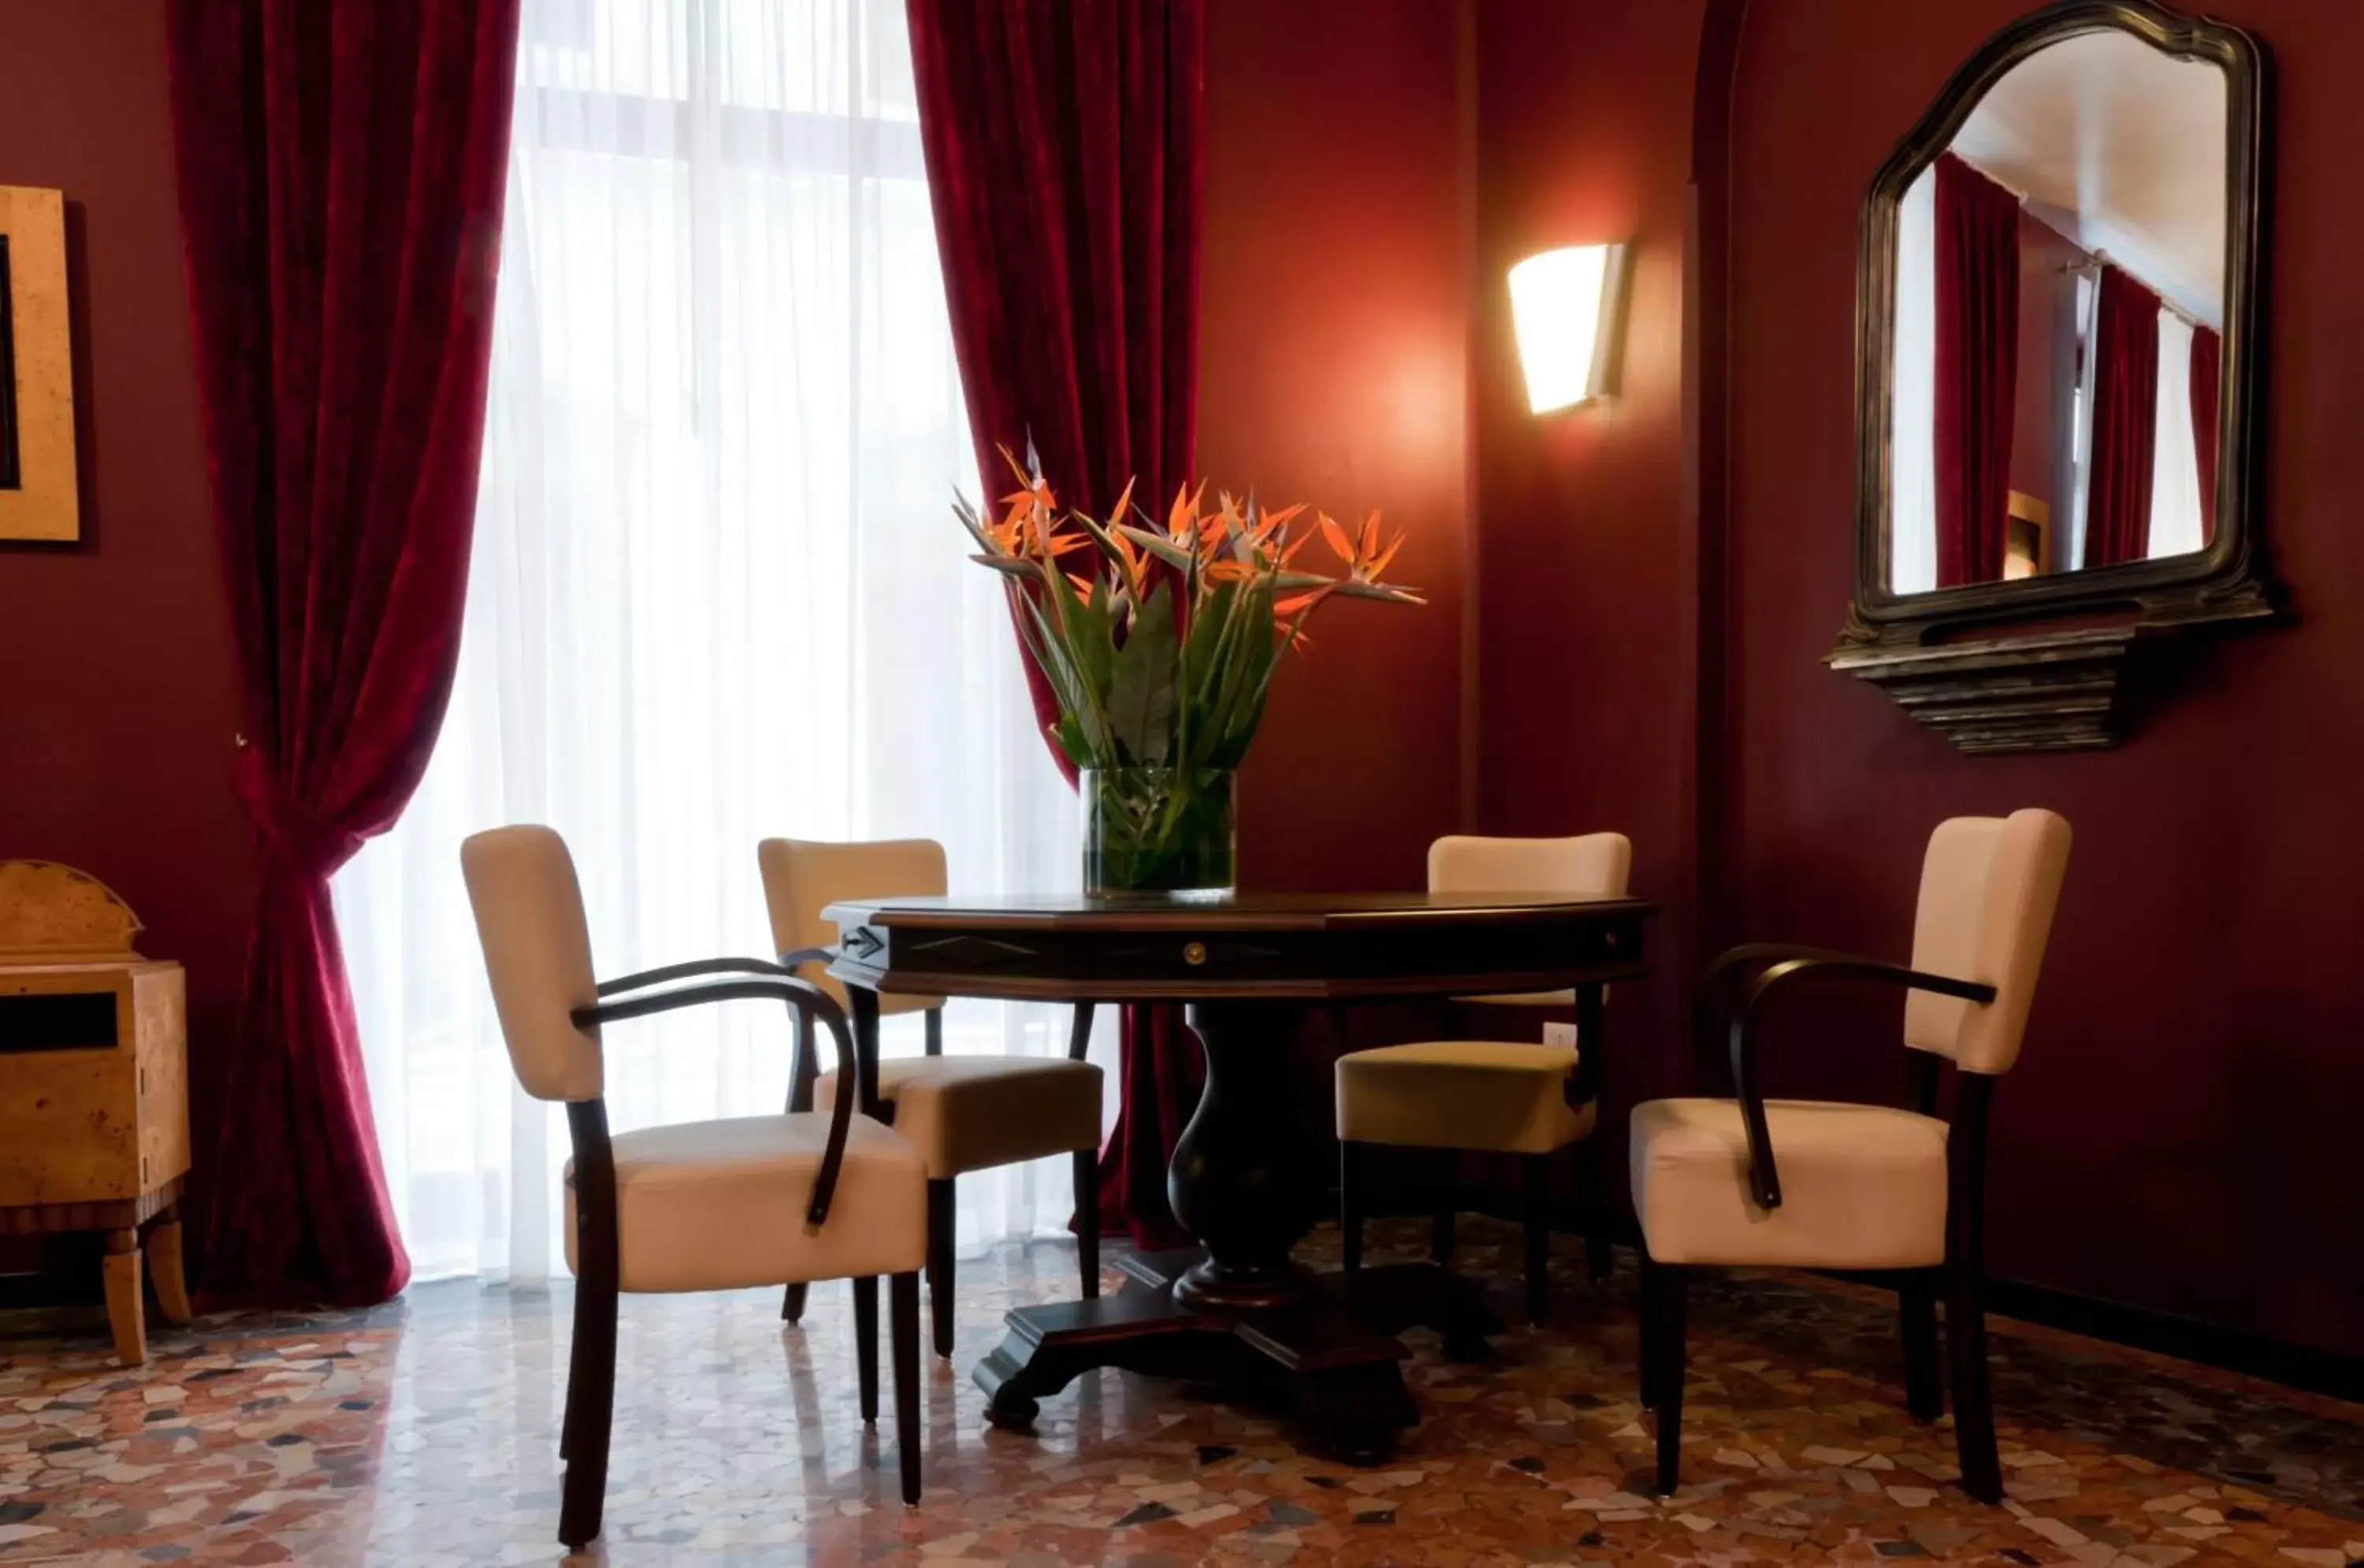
2126 421
1976 262
2207 372
1912 471
2175 495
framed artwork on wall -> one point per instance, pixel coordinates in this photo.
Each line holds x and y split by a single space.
38 499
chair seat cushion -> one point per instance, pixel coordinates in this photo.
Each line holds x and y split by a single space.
1462 1093
721 1205
1862 1186
972 1113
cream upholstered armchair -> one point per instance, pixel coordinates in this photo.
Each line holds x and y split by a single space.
1807 1183
698 1206
961 1113
1521 1097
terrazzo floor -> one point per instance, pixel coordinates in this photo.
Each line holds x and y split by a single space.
423 1435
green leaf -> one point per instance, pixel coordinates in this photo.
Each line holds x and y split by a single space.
1158 545
970 521
1141 687
1242 667
1092 631
1387 591
1013 567
1077 698
1073 742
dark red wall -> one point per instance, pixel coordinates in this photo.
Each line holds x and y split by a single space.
1588 587
117 690
2176 1135
2179 1131
1333 369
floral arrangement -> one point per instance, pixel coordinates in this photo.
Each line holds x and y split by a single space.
1160 644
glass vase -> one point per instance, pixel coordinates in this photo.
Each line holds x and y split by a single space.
1159 830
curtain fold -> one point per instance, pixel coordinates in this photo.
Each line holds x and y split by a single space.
2207 376
2126 421
1063 150
1977 369
718 595
340 165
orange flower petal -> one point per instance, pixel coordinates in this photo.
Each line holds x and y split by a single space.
1344 545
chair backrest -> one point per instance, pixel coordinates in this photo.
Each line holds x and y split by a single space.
530 921
1987 888
801 878
1593 865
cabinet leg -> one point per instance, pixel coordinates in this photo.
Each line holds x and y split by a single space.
125 1310
164 1270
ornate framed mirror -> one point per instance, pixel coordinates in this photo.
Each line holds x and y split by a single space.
2060 303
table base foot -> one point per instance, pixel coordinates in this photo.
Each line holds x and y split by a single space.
1330 1362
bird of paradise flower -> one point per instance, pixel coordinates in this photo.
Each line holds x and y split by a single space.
1161 646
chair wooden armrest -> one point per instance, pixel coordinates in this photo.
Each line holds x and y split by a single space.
809 1000
673 971
1784 964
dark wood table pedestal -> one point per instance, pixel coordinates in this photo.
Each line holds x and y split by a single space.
1239 1312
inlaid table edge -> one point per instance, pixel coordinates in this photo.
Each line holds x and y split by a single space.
985 987
1275 913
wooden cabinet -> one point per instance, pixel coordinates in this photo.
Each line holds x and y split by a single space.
94 1086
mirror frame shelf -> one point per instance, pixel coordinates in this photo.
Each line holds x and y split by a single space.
2038 664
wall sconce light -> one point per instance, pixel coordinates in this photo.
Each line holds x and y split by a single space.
1568 307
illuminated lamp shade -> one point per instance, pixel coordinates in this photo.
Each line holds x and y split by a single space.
1567 307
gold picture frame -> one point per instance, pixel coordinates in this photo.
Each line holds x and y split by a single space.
40 493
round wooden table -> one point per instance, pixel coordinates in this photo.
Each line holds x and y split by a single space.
1237 1310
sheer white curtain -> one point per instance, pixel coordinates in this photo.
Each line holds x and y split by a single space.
1912 395
2174 524
717 591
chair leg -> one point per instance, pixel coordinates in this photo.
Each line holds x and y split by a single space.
903 1312
1440 1241
1598 1259
865 1345
590 1412
1667 1380
1088 1222
1534 1183
1966 1346
1646 1316
804 1071
578 1378
1350 1205
1925 1393
940 1221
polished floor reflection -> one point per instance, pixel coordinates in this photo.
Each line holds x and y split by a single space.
424 1433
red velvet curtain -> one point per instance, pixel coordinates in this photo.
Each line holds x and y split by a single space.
2126 421
1064 147
1977 260
341 165
2207 373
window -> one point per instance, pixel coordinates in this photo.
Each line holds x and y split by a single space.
716 592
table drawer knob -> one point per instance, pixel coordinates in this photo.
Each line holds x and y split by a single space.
1194 953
